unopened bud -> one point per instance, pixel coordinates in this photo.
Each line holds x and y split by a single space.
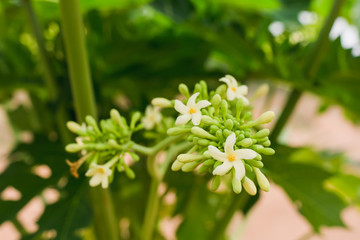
75 128
255 163
267 143
224 107
176 166
267 151
186 157
177 131
129 172
216 100
161 102
246 142
190 166
262 133
116 117
266 117
203 169
134 118
215 183
197 131
262 180
229 124
184 90
92 122
236 185
208 120
73 148
249 186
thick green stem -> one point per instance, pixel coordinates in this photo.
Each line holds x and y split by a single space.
237 204
311 68
49 76
106 224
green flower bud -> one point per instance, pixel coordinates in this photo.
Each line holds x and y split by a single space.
92 122
209 162
255 163
203 169
134 119
74 147
75 128
197 131
198 88
134 156
246 142
267 151
262 133
204 89
226 133
221 90
219 134
262 180
266 117
129 172
215 183
113 143
177 131
161 102
186 157
257 148
249 186
236 184
216 100
258 157
190 166
184 90
248 168
213 128
116 117
208 120
176 166
229 124
224 107
267 143
239 107
203 142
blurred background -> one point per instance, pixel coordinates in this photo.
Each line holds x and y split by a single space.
141 49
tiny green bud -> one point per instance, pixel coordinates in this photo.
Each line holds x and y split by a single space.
197 131
116 117
229 124
186 157
246 142
129 172
75 128
248 168
113 143
190 166
215 183
73 148
176 166
258 157
209 162
208 120
262 133
267 151
134 118
236 184
226 133
214 128
203 142
224 107
177 131
255 163
184 90
219 134
249 186
203 169
217 163
216 100
262 180
161 102
134 156
239 107
257 148
267 143
221 90
266 117
92 122
204 89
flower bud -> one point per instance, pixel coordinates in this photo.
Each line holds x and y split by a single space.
236 185
262 133
246 142
239 107
74 147
203 169
226 133
184 90
248 168
75 128
208 120
129 172
229 124
209 162
177 131
113 143
186 157
134 118
219 134
176 166
197 131
190 166
249 186
116 117
215 183
255 163
224 107
266 117
161 102
92 122
216 100
262 180
214 128
204 89
267 151
221 90
203 142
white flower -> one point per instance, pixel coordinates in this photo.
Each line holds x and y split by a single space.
231 158
233 90
190 111
99 174
152 117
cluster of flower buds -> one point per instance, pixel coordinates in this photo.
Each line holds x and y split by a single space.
226 140
104 147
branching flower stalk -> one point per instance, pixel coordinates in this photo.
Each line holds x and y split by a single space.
213 133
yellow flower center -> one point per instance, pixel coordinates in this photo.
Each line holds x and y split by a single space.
231 157
191 111
101 170
233 89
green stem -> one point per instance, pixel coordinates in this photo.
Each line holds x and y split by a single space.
49 76
141 149
106 223
311 68
237 203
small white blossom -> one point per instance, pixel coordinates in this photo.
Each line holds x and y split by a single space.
190 111
152 117
233 90
231 158
99 174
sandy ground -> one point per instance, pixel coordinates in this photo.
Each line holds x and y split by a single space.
274 217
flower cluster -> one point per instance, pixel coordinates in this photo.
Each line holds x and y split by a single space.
225 138
104 147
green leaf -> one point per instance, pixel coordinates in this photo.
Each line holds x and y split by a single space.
347 187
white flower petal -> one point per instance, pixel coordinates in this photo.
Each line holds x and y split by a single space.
245 154
180 107
245 100
196 118
229 143
217 154
96 180
105 182
242 90
191 101
233 81
239 169
202 104
182 119
223 168
225 80
230 94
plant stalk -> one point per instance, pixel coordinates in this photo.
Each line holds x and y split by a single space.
106 224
